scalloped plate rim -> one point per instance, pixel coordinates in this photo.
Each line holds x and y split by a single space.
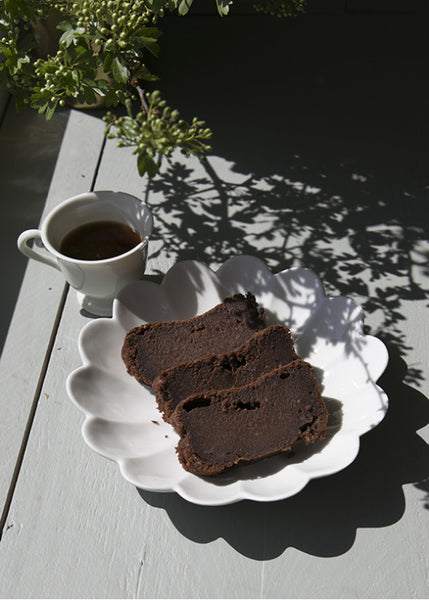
236 493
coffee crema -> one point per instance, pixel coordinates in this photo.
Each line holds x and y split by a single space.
99 240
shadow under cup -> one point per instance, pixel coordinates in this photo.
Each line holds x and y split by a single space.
97 282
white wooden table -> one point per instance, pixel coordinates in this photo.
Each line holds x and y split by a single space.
326 167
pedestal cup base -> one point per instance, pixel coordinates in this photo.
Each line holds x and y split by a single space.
99 307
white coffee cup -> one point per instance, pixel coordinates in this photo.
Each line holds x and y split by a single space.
97 282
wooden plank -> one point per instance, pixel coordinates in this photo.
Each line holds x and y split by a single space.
159 546
98 538
36 310
76 529
82 504
29 147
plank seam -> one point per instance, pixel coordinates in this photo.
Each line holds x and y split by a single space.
41 380
33 410
97 166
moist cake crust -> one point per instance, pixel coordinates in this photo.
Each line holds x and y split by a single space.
152 348
263 352
270 415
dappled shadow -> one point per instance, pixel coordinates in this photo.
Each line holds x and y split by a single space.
369 259
321 166
322 519
318 162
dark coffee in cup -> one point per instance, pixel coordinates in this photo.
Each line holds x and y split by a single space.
99 240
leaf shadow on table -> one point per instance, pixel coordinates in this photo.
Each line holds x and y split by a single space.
323 518
366 250
327 175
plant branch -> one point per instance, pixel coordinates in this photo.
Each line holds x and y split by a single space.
144 106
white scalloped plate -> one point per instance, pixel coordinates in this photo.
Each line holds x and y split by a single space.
122 421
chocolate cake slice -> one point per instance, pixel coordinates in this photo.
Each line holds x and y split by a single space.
152 348
263 352
221 429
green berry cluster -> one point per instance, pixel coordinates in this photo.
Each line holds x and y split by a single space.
102 48
17 44
280 8
156 131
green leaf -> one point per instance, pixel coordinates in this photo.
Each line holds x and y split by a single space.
141 163
153 49
128 127
101 86
146 164
21 61
145 39
64 26
107 65
119 70
144 73
50 111
184 7
90 96
20 100
42 108
71 36
156 5
223 7
110 99
81 49
150 32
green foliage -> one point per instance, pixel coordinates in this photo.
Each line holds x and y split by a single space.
280 8
156 131
101 49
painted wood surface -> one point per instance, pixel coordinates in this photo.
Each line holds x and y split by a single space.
39 305
342 191
29 147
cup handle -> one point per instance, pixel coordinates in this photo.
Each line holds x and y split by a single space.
39 253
